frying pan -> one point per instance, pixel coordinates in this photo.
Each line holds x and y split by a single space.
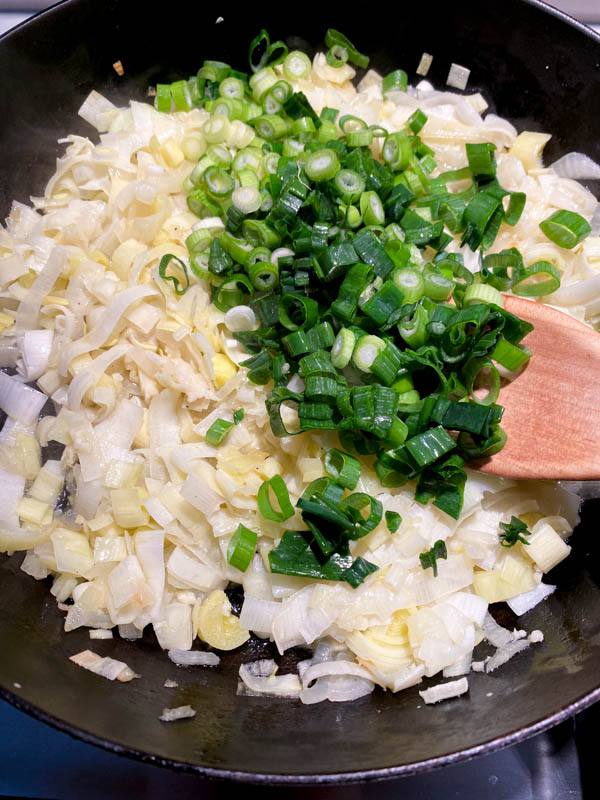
535 66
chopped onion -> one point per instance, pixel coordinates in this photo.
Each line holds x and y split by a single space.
187 658
173 714
424 64
101 633
340 667
20 401
495 634
460 667
458 77
444 691
577 166
337 689
35 353
523 603
505 653
106 667
13 487
240 318
271 684
97 110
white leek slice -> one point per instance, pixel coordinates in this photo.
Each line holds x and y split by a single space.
523 603
173 714
445 691
20 401
217 625
505 653
106 667
272 684
545 547
187 658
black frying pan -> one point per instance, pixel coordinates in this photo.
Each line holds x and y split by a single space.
538 68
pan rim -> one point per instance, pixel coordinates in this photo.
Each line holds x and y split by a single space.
306 778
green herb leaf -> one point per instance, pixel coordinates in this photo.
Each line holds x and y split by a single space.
513 532
393 520
429 558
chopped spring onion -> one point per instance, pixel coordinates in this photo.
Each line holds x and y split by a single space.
297 65
162 99
334 38
273 51
343 347
566 228
530 281
218 431
162 271
482 293
322 165
411 284
337 56
348 184
397 151
247 199
393 520
231 292
429 558
279 489
344 468
366 351
396 80
242 547
371 208
513 532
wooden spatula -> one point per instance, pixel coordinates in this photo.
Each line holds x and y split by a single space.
552 409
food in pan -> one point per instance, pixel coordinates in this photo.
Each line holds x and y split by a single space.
265 319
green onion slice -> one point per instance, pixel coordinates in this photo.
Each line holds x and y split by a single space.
242 547
297 312
334 38
393 520
218 431
342 349
273 52
366 351
231 292
566 228
354 504
337 56
297 65
396 80
279 489
162 100
537 280
344 468
162 271
322 165
348 184
429 558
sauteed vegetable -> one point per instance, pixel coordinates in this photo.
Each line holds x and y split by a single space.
260 242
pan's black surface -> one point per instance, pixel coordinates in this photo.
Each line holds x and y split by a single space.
542 71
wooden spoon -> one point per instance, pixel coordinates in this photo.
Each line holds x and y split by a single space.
552 409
